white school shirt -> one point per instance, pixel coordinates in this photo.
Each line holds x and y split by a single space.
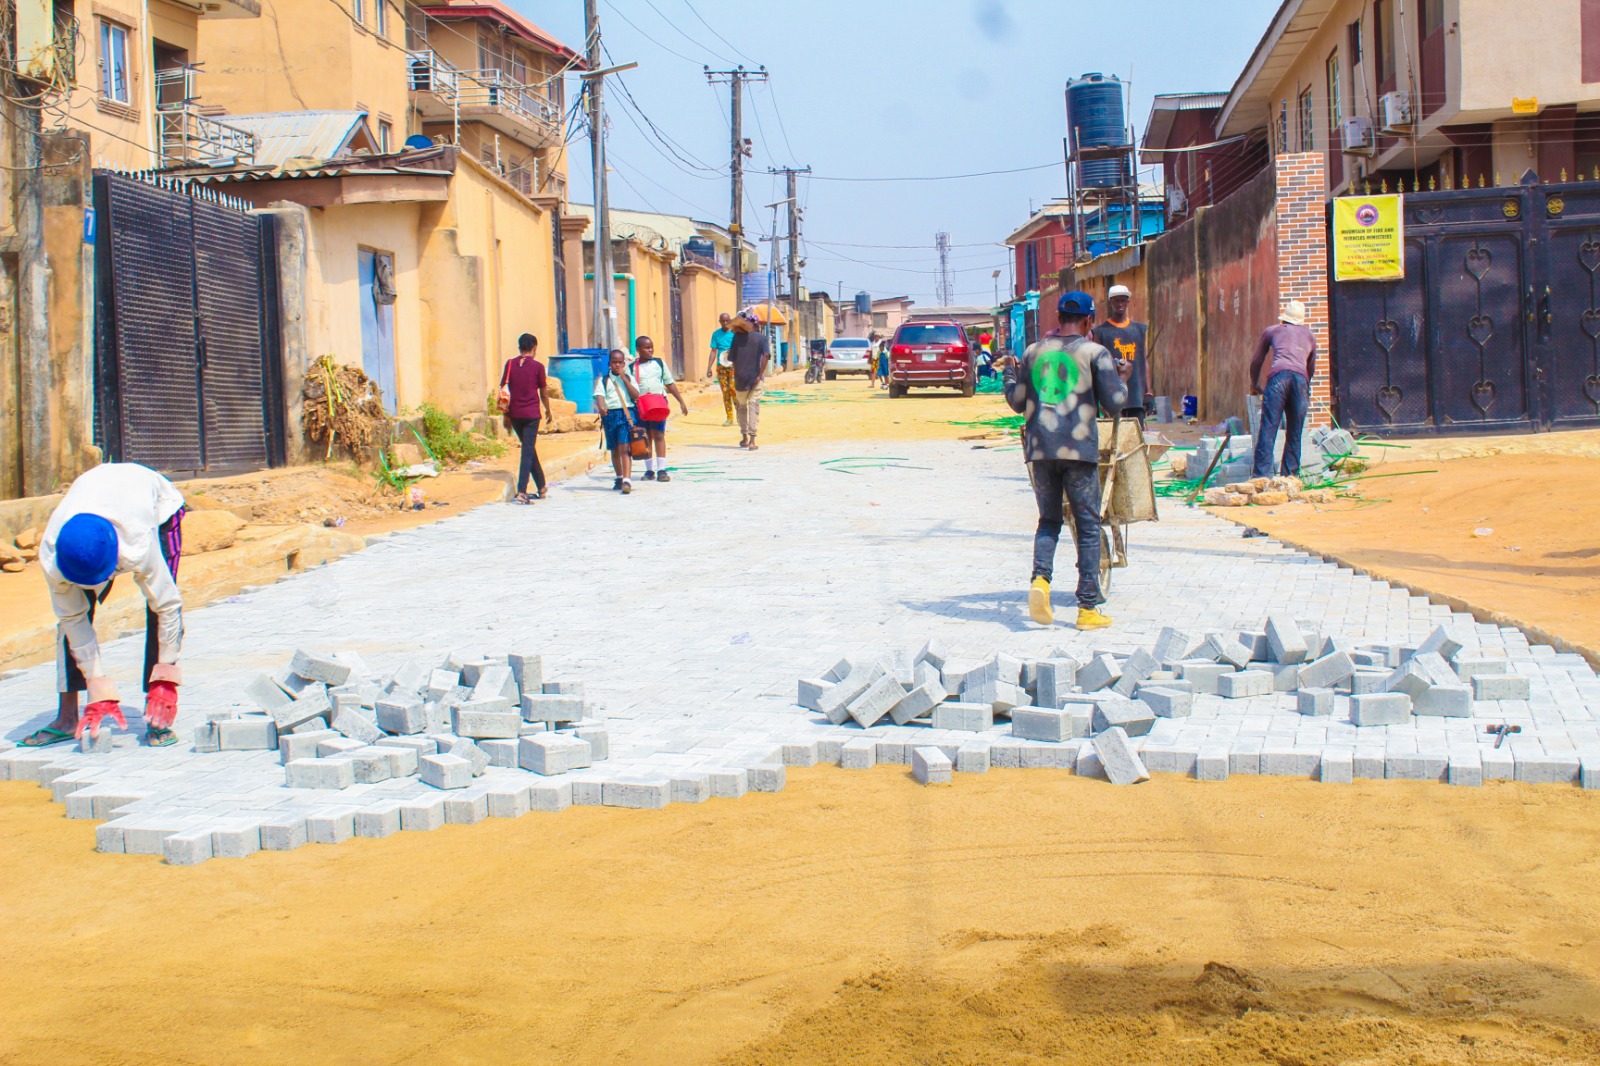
136 501
612 396
652 376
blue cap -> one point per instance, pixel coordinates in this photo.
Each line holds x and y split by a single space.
86 550
1075 303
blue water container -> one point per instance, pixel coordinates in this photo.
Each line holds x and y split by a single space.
1095 119
577 372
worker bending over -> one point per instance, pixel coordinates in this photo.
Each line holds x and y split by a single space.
1060 386
119 518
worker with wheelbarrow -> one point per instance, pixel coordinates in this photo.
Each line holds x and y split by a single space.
1059 387
119 518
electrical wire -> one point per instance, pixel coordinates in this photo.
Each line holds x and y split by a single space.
696 13
940 177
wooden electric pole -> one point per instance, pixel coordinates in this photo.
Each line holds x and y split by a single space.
736 78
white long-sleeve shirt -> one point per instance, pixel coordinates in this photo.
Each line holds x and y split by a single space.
136 501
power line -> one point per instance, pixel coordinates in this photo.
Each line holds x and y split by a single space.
649 37
944 177
696 13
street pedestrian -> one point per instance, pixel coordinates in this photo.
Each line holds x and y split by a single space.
1284 385
750 353
119 518
614 397
1125 339
524 393
1060 385
872 361
655 381
883 366
721 365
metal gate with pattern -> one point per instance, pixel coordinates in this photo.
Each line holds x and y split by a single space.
1496 325
188 362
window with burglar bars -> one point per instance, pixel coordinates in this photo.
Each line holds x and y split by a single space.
1283 127
1308 122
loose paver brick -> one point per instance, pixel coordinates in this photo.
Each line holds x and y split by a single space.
931 766
1118 759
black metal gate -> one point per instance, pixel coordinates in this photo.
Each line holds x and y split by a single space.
1496 326
189 375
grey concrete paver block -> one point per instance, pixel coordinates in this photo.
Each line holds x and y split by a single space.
931 766
1285 643
860 753
1500 687
1118 759
1245 684
548 754
1314 702
445 771
1380 708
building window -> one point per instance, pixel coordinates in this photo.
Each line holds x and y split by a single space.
114 63
497 53
1354 45
1383 43
1283 127
385 137
380 18
416 29
358 11
1308 123
1432 17
1335 103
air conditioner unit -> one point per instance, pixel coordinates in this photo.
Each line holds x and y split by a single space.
1358 138
1396 110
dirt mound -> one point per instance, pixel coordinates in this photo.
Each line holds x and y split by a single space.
303 494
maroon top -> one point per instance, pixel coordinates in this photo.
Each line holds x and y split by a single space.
526 376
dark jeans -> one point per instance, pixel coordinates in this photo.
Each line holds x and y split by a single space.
527 431
170 538
1078 484
1286 399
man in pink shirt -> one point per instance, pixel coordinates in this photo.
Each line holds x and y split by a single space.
1280 373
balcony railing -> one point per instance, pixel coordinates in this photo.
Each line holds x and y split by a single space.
189 138
475 93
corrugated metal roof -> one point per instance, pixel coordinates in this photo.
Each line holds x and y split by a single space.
283 136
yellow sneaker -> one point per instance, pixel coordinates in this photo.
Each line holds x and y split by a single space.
1089 618
1039 602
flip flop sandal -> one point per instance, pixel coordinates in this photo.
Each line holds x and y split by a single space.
50 735
160 738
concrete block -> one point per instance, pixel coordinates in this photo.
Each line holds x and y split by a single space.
1338 766
1285 678
1327 671
512 800
1133 717
1223 648
187 847
799 753
1416 766
651 795
972 758
598 738
420 745
408 680
1054 679
838 672
1088 762
548 754
859 753
1042 723
1435 669
1369 764
1285 643
501 753
379 820
445 771
266 694
331 826
810 693
256 733
1500 687
1468 667
206 738
1547 768
691 787
1589 771
551 796
1167 702
932 652
926 673
766 777
313 667
487 725
1244 684
1442 641
1367 682
918 702
931 766
337 772
875 701
1499 764
1285 760
1174 645
422 814
964 717
1410 678
1211 764
441 683
729 784
1465 768
99 744
1314 701
357 726
1380 708
1005 697
1118 759
833 703
1203 674
402 717
1444 701
469 806
310 725
527 670
293 746
1102 671
555 707
496 681
1244 761
472 669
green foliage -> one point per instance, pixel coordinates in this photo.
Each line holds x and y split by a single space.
447 443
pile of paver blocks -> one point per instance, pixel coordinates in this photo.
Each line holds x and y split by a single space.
1318 447
1112 698
336 725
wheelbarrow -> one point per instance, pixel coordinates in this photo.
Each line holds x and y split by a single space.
1127 488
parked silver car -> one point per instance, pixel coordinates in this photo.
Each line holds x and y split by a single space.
847 355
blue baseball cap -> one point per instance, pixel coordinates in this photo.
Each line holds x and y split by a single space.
86 550
1075 303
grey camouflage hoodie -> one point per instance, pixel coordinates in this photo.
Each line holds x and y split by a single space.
1059 389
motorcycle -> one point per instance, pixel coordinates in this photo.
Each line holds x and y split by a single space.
814 369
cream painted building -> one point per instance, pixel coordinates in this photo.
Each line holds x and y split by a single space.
1420 91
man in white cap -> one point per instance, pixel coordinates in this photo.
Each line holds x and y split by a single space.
1124 338
1284 384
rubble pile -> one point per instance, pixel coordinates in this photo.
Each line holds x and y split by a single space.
1113 698
1265 492
337 725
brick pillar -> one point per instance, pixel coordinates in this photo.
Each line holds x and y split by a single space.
1302 224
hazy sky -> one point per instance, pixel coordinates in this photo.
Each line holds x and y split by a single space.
884 89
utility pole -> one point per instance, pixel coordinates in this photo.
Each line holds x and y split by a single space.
946 295
603 331
794 248
736 78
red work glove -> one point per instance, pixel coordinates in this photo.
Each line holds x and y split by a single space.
160 704
97 713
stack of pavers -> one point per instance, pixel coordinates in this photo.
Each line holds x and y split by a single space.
336 726
1100 709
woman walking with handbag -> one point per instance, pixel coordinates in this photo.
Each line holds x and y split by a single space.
614 397
524 393
655 382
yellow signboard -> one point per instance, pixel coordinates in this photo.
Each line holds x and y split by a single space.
1530 106
1368 238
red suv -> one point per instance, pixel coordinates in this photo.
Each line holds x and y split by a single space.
931 353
